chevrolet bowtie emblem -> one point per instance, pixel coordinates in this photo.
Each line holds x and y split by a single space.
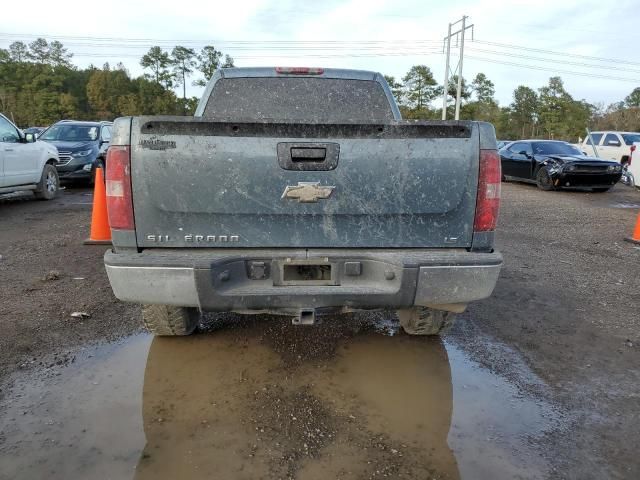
307 192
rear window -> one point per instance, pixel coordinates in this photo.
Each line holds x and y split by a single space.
304 100
631 138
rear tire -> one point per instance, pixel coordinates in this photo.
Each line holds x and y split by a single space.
425 321
49 184
543 179
167 320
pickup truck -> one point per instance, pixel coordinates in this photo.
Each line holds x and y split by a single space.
25 164
301 192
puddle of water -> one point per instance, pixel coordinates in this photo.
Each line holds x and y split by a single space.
255 402
80 421
493 420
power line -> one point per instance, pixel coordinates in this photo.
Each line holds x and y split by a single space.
174 41
551 60
294 55
554 70
551 52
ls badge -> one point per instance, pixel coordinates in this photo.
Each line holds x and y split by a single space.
307 192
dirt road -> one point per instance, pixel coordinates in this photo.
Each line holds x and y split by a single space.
539 381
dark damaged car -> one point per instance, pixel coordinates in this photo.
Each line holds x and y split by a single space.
554 164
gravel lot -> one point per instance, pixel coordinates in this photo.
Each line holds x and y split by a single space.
562 330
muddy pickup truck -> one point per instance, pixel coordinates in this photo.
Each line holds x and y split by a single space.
301 191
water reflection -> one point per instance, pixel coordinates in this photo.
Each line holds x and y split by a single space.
230 405
264 399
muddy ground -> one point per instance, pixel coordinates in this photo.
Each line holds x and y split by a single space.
539 381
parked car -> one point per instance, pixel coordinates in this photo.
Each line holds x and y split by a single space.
610 145
26 164
82 147
554 164
315 198
34 130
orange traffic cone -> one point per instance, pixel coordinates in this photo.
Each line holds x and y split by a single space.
635 238
100 231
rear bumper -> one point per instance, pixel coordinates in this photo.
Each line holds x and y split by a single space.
215 280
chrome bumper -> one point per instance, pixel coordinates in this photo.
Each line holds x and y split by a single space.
220 281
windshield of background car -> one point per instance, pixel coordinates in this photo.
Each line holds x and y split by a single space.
304 99
631 138
71 133
554 148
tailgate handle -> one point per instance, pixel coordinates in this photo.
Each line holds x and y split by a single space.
308 154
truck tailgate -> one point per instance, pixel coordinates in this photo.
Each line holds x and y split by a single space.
198 183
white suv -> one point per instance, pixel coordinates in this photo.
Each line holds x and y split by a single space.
611 145
26 164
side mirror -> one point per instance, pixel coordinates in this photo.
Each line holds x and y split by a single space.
30 137
526 154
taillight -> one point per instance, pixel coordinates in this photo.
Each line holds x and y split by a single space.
300 70
488 201
118 186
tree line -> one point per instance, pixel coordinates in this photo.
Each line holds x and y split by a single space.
39 85
548 112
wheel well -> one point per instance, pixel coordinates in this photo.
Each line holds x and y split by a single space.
51 161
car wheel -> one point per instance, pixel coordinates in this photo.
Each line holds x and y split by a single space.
600 190
49 184
543 179
167 320
425 321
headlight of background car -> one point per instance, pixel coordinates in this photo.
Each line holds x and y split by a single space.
614 168
82 153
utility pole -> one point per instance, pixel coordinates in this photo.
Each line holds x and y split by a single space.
446 75
459 91
458 70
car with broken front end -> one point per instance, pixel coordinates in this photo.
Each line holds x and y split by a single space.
301 192
553 164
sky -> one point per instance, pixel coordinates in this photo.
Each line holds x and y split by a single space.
521 42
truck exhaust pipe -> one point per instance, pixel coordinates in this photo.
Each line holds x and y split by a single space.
305 317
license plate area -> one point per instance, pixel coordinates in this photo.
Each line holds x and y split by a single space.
305 272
